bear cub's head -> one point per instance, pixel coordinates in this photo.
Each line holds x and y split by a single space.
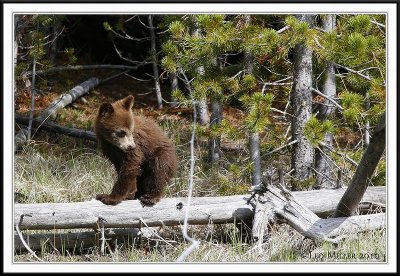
115 123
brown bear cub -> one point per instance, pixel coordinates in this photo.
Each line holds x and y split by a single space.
145 159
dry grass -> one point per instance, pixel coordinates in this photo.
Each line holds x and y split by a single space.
50 173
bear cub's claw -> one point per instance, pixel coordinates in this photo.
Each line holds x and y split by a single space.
106 199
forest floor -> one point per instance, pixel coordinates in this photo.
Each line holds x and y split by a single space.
56 168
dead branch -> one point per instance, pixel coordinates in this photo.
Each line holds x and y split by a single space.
80 67
53 127
281 202
328 98
22 240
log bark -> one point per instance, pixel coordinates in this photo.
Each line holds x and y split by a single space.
203 210
362 177
53 127
75 241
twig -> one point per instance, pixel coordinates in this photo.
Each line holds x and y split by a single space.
132 77
282 112
323 175
278 149
127 59
195 243
328 98
114 76
282 30
353 71
155 233
354 163
377 23
22 238
127 36
103 238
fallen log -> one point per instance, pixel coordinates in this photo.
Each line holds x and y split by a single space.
69 97
53 127
74 241
168 212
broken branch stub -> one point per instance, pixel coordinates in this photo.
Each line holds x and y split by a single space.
281 202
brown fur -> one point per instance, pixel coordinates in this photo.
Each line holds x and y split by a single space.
145 164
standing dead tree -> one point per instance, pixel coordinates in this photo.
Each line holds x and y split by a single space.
154 60
323 165
214 143
361 179
303 152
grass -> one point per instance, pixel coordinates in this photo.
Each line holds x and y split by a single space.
69 171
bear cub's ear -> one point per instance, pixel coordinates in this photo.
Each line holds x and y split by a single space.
128 102
105 109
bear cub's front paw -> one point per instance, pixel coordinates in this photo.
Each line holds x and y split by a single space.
148 201
107 199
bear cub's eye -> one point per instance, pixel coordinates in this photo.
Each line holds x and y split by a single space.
121 133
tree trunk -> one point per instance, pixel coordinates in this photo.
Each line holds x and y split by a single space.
215 121
155 63
367 126
203 210
174 87
323 165
254 137
303 152
55 29
215 142
201 105
362 177
17 19
255 158
32 106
